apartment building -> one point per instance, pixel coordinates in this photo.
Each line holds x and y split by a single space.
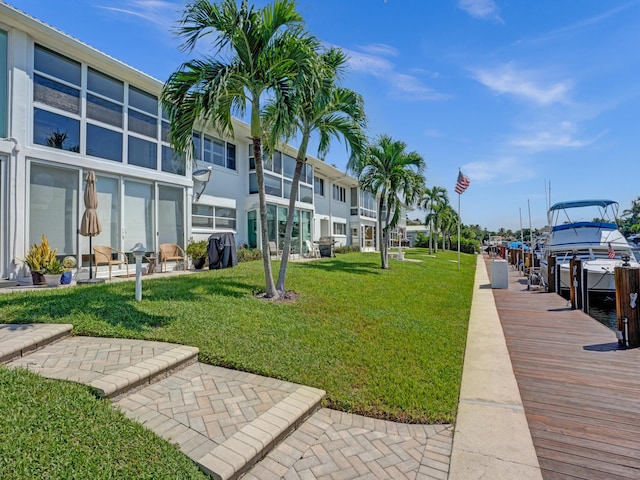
67 108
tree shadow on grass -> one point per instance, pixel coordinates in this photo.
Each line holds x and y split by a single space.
334 264
115 304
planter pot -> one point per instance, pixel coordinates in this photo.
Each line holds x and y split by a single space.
66 277
198 263
37 278
52 280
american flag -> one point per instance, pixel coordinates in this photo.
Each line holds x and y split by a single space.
462 183
611 253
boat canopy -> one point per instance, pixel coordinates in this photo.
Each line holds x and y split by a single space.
582 203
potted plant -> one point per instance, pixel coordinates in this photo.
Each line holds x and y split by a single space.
197 251
37 258
52 272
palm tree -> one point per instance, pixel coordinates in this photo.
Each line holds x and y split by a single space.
324 108
432 198
448 219
263 58
395 177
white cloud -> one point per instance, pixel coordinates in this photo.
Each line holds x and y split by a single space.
483 9
506 169
371 61
162 14
521 83
562 136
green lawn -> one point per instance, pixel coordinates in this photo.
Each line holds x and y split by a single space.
388 344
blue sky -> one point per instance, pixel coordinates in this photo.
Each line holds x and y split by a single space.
521 95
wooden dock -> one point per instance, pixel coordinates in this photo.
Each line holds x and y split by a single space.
580 390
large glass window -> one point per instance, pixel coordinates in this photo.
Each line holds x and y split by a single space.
104 111
4 112
172 162
306 194
108 211
56 94
53 207
56 65
252 228
289 165
143 124
170 215
142 153
138 220
104 143
318 186
272 185
56 131
143 101
105 85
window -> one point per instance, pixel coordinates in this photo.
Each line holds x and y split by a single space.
142 124
202 216
56 65
225 218
172 162
214 151
197 146
213 218
143 101
306 194
56 84
142 153
105 85
56 94
56 131
104 111
339 193
318 186
289 165
53 207
4 113
231 156
339 228
104 143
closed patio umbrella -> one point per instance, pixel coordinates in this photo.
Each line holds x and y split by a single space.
90 225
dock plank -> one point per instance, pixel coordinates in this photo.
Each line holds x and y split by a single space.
579 388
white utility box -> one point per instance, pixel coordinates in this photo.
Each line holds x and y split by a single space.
499 274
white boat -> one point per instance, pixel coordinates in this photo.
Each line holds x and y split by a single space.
586 229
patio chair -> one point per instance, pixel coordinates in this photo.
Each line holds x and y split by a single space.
274 251
104 255
172 253
312 250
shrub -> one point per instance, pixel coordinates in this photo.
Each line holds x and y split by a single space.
347 249
246 254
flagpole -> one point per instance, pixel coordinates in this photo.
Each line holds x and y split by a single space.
458 232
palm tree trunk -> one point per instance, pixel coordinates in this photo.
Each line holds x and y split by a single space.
384 256
270 289
289 227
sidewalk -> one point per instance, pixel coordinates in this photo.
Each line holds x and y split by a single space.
234 423
492 438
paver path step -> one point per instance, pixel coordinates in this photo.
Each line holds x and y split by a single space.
230 423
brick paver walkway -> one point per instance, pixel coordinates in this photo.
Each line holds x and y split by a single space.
226 420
